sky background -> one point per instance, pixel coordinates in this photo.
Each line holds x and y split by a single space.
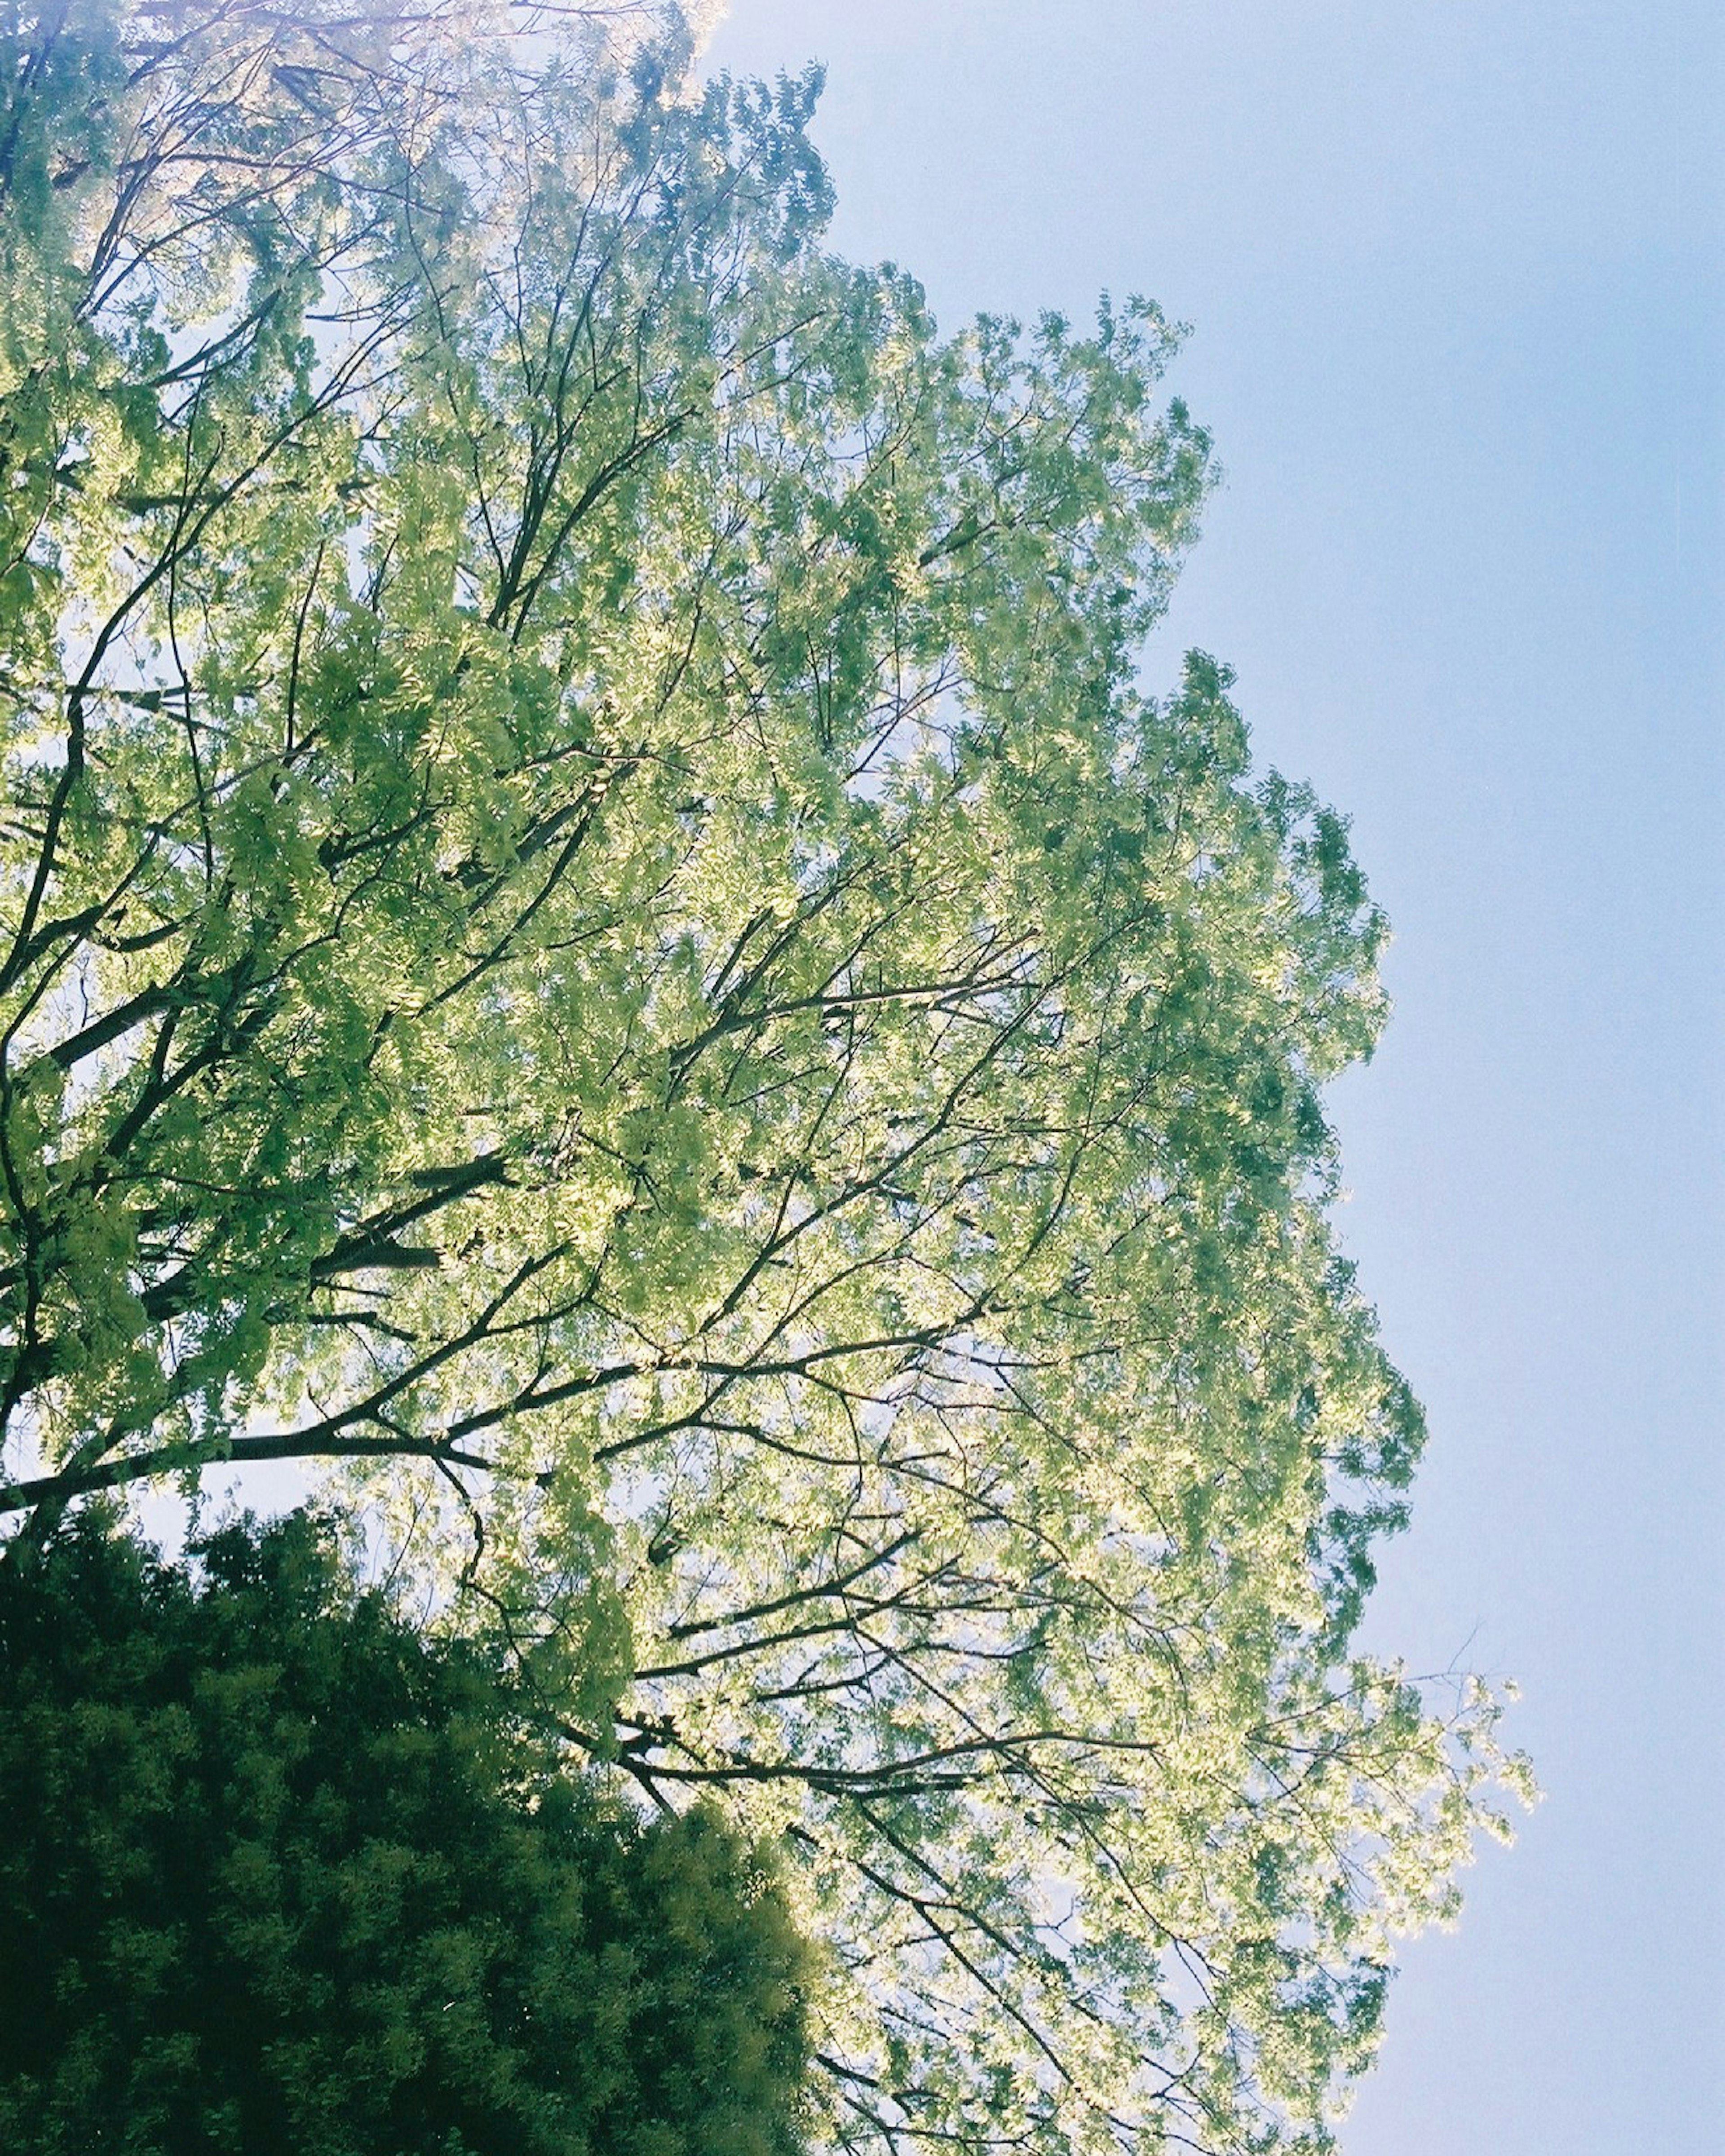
1458 289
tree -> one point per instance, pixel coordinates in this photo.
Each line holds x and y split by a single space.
279 1876
600 928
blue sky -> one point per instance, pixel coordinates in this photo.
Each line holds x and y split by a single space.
1458 291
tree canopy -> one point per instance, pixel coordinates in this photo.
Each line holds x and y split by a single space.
598 924
280 1877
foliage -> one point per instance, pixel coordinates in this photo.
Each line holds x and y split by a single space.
597 923
279 1876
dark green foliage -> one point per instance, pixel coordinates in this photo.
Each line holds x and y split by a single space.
279 1876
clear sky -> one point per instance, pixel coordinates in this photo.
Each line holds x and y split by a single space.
1458 288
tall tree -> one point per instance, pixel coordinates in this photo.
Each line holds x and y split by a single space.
597 922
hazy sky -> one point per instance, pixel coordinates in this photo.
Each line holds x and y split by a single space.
1457 285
